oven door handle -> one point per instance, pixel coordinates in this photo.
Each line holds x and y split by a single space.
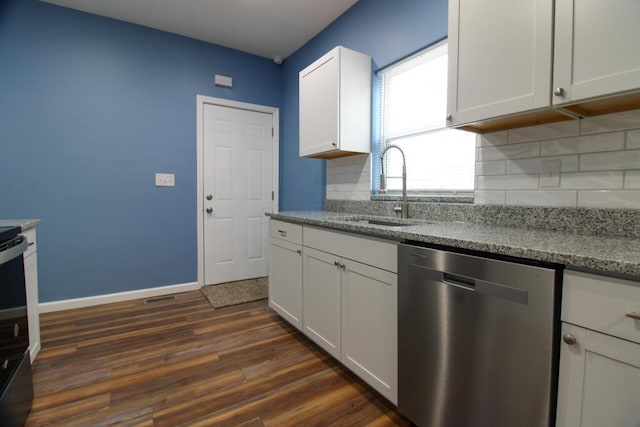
14 251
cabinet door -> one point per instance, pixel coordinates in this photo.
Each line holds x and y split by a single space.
370 326
599 381
321 299
319 87
31 285
499 58
285 280
596 48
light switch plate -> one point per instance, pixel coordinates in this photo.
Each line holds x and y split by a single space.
550 173
165 180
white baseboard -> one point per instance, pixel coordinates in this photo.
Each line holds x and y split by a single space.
48 307
33 352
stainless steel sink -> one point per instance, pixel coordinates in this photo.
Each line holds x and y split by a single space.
385 221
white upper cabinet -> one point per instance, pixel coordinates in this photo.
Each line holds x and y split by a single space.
512 65
335 105
597 51
499 58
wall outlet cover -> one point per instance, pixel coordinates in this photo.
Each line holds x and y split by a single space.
165 180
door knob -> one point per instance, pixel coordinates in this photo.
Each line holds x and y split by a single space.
209 197
209 210
559 91
569 339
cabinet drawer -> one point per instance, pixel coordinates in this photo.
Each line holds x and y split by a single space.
31 238
286 231
367 250
602 304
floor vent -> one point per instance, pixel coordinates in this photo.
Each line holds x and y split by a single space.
160 299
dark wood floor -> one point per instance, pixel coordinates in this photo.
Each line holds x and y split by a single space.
178 361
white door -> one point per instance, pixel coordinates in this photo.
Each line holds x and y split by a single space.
237 192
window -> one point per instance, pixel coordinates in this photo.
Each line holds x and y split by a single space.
414 102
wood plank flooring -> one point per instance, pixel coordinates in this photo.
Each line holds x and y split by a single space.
177 361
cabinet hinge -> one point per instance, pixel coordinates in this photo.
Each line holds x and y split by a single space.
273 132
273 195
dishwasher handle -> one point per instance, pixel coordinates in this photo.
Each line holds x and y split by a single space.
486 288
459 281
511 293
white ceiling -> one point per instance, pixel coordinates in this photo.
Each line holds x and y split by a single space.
262 27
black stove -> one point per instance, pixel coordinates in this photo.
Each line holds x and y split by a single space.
8 233
16 389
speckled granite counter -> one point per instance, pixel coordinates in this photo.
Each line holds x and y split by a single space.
25 224
617 256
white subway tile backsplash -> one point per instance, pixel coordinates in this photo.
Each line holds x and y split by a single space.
584 144
511 151
353 179
548 131
533 166
592 180
632 179
609 122
350 164
489 198
633 139
493 139
354 192
599 165
618 160
508 182
348 195
496 167
343 170
556 198
349 178
626 199
596 169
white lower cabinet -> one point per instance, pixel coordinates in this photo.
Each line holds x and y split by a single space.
370 326
322 299
285 271
341 291
285 280
350 303
599 379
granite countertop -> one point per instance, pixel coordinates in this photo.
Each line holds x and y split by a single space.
25 224
618 256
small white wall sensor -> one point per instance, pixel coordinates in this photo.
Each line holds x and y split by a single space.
224 81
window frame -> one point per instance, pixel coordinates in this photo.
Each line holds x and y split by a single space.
465 195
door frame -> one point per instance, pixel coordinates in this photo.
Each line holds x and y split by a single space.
201 101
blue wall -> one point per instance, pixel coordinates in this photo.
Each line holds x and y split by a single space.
385 30
90 109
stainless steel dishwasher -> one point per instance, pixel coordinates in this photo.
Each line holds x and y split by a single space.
477 340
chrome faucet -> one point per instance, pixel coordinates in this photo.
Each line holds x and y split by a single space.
404 207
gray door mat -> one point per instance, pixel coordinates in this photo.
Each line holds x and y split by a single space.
232 293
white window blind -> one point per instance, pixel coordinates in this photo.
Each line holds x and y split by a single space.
414 101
